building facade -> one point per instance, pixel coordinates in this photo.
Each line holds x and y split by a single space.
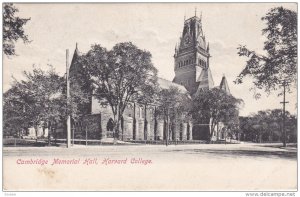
192 73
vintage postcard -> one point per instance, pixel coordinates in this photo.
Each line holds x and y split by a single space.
150 97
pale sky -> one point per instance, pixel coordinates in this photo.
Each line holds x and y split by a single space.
156 27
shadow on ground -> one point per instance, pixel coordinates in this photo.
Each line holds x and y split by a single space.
242 153
294 145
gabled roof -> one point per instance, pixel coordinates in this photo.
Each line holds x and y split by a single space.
166 84
205 79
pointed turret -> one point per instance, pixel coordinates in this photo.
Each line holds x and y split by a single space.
75 58
75 55
224 85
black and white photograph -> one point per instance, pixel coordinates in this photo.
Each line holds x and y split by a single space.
150 97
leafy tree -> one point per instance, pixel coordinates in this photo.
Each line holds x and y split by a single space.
12 29
40 99
147 95
118 75
280 60
213 106
173 104
247 131
14 117
291 127
232 122
267 126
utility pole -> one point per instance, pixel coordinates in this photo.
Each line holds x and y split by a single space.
68 96
283 113
167 132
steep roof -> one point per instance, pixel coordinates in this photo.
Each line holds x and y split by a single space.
165 84
224 85
205 79
75 57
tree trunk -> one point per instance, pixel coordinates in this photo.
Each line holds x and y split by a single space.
122 127
155 124
211 132
49 133
116 122
36 131
134 123
145 123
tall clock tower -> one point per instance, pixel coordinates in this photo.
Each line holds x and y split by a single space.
192 57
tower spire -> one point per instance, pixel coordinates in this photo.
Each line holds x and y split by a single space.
195 11
201 16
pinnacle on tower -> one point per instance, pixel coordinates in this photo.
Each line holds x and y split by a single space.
76 50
